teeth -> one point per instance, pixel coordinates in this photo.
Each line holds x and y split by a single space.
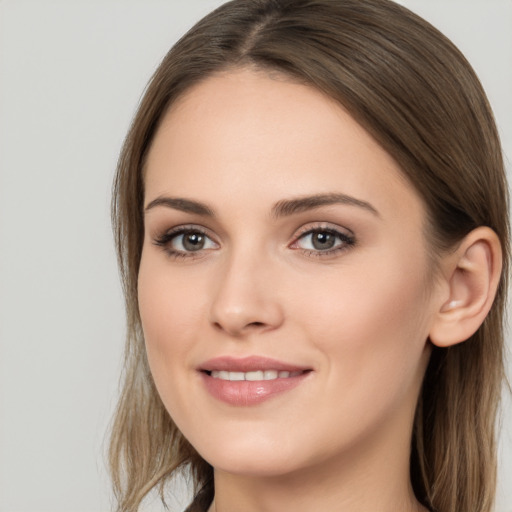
253 376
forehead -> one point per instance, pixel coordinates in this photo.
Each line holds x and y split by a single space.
245 135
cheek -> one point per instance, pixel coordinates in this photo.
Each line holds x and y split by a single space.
371 323
170 309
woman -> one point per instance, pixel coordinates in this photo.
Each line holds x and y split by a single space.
310 211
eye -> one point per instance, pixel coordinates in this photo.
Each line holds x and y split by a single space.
185 241
323 241
191 241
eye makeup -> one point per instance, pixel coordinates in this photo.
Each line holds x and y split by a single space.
189 241
194 241
323 240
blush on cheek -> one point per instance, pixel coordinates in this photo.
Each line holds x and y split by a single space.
170 310
377 327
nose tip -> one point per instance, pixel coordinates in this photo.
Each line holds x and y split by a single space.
237 323
246 318
245 303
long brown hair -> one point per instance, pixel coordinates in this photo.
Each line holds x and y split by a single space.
416 94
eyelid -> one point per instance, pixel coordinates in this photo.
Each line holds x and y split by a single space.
319 226
183 228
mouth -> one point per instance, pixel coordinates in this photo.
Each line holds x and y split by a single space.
251 380
254 375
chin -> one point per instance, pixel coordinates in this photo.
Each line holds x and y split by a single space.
250 456
259 467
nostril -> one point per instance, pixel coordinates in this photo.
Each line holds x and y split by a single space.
237 330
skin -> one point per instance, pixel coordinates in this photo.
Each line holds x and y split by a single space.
358 317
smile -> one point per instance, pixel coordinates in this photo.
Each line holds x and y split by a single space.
249 381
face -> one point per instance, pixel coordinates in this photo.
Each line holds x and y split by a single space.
284 286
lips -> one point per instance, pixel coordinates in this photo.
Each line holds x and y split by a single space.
251 380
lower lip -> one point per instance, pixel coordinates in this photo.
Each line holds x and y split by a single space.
246 393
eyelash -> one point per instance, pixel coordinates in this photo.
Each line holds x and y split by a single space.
346 241
167 238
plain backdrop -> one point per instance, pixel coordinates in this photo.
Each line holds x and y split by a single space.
71 75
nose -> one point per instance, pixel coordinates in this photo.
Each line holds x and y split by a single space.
245 299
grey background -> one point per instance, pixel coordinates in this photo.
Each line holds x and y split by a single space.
71 75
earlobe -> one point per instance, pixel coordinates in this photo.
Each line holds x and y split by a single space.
472 274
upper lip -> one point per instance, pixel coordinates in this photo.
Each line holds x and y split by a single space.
248 364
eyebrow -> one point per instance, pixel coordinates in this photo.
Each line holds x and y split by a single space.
283 208
183 205
292 206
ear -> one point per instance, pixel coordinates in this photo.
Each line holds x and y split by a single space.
472 274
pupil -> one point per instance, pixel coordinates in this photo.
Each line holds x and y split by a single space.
323 240
193 241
